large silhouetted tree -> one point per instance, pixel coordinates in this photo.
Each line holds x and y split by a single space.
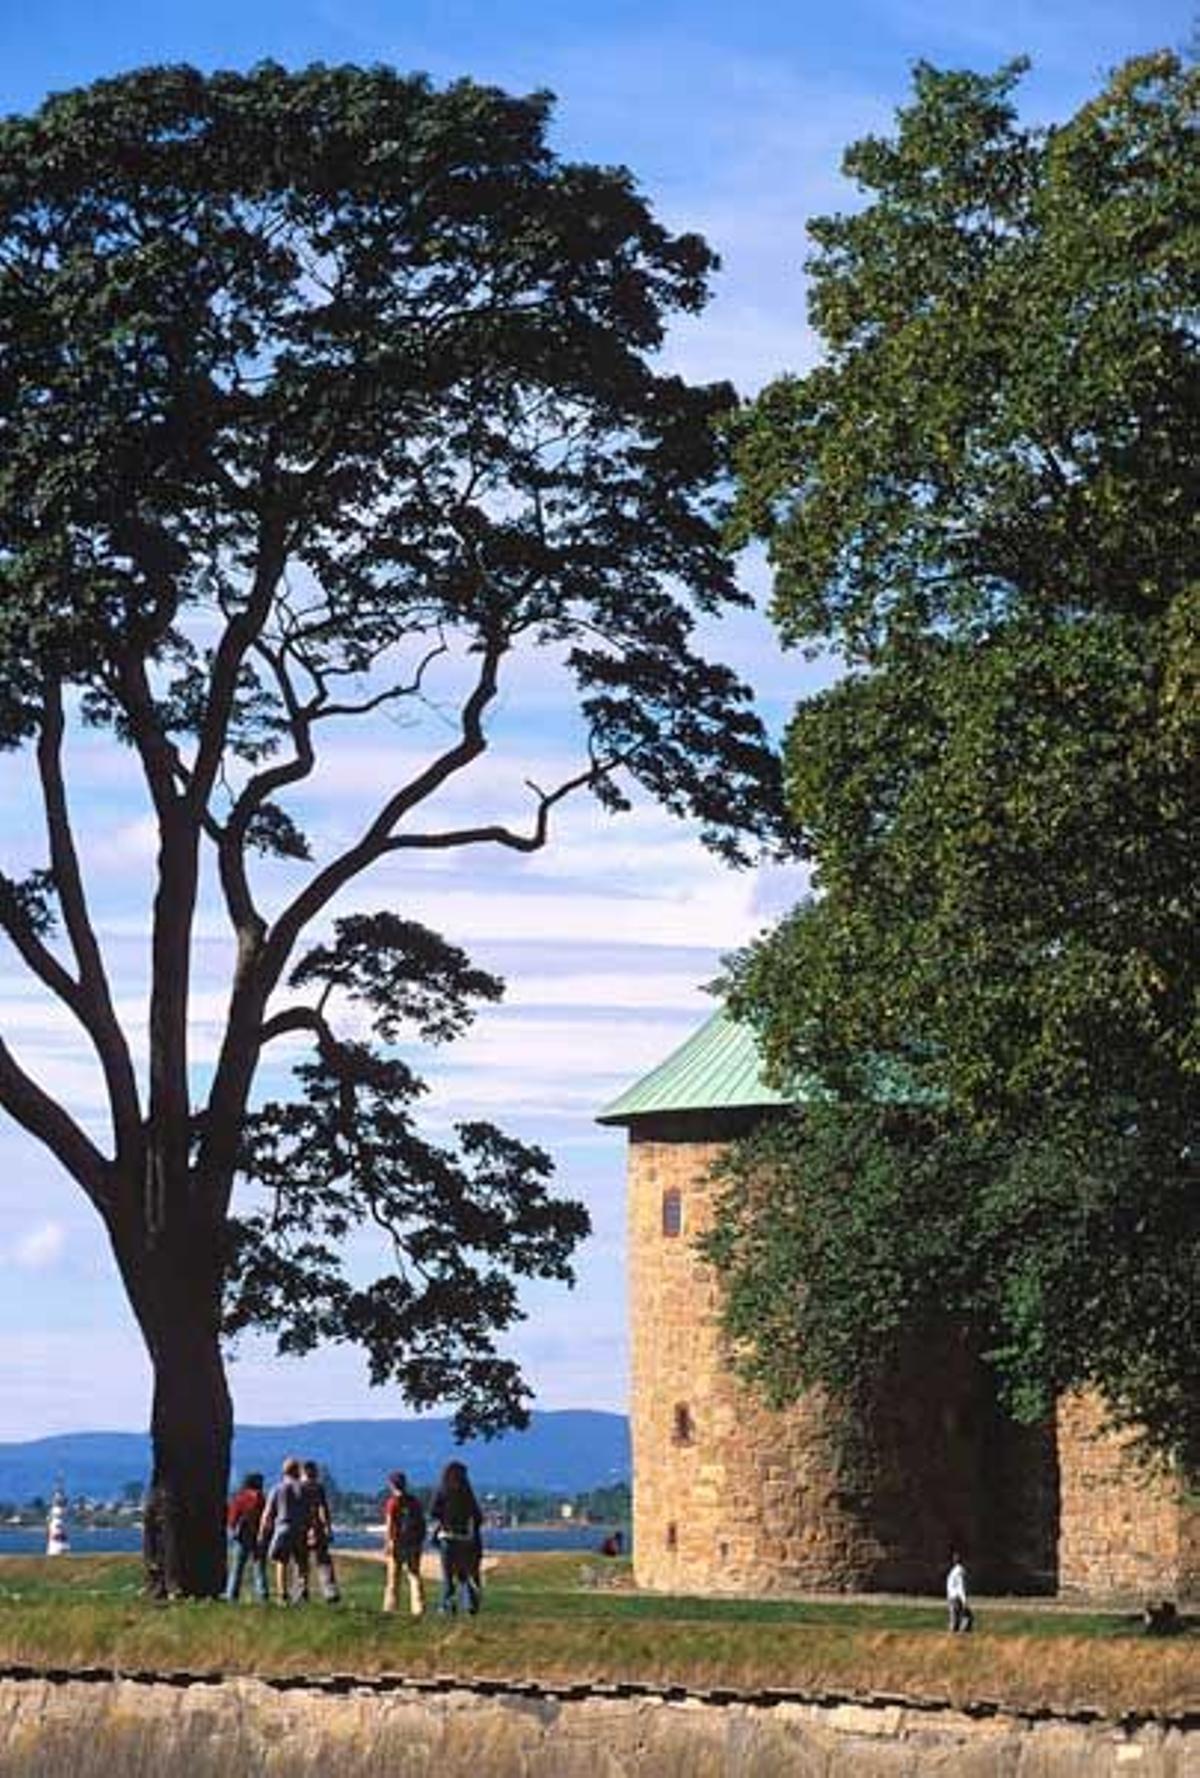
323 395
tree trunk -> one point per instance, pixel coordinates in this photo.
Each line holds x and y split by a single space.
191 1431
176 1297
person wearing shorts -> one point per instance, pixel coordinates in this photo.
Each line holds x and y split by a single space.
285 1533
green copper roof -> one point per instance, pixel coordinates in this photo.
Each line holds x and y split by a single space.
717 1069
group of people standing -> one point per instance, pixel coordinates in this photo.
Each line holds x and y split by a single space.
290 1530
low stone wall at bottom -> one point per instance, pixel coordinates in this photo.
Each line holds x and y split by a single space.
104 1726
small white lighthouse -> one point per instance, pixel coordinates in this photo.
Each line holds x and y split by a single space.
58 1543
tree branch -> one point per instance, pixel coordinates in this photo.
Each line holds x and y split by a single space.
241 633
38 956
95 998
312 1019
255 983
389 695
499 835
181 799
298 1018
165 1139
301 717
44 1118
159 755
375 842
231 847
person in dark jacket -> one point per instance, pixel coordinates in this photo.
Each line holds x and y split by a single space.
403 1541
320 1532
457 1531
243 1520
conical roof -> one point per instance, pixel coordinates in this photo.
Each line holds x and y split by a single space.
719 1068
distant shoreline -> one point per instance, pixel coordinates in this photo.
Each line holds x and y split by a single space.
355 1540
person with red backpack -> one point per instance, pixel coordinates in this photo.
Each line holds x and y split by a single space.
404 1539
243 1519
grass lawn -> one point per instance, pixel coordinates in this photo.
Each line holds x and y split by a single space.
540 1622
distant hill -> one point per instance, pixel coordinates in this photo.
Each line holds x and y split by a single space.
565 1453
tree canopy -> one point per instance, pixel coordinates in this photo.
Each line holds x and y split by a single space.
325 395
984 501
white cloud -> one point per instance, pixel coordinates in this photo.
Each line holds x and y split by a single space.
71 1380
40 1248
620 988
113 851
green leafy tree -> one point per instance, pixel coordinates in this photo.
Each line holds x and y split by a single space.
326 396
984 501
611 1504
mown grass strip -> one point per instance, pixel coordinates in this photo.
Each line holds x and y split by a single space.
539 1623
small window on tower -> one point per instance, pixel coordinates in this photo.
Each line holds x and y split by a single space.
684 1428
672 1536
672 1213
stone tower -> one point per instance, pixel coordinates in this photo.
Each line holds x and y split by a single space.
730 1496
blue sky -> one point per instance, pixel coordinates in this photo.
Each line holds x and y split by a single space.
733 118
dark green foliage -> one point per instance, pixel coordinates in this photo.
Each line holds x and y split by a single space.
1069 1250
609 1504
345 322
1005 422
401 971
984 500
461 1224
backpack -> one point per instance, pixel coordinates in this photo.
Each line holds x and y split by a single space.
408 1522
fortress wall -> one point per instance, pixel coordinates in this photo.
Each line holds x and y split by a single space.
107 1726
730 1496
1122 1533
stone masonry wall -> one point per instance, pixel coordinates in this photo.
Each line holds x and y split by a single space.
107 1726
732 1497
726 1496
1121 1534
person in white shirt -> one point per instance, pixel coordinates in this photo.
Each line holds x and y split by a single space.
961 1615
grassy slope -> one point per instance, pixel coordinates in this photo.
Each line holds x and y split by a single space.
540 1623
